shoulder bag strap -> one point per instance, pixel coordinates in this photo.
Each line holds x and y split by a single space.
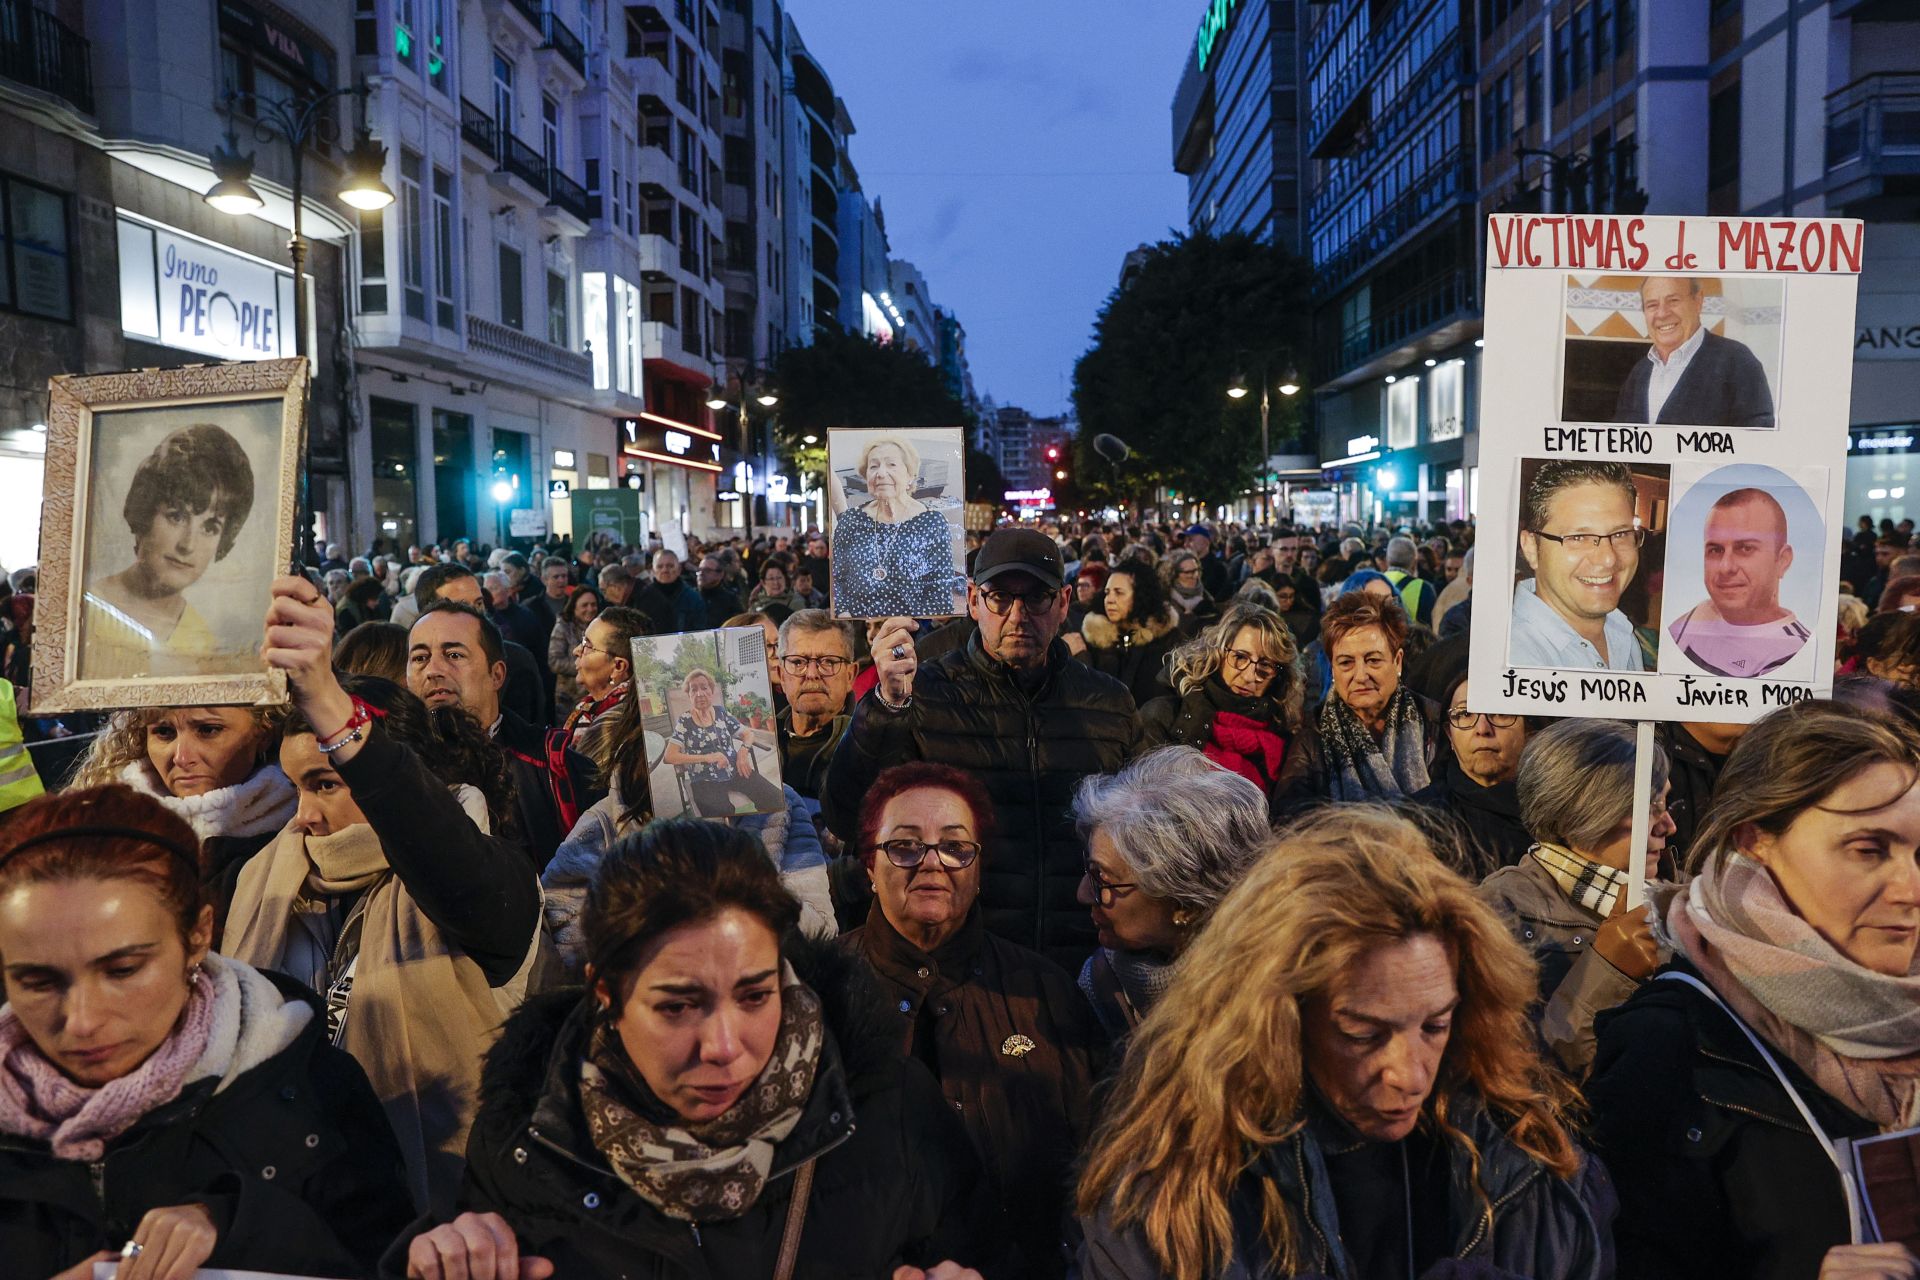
1847 1186
796 1221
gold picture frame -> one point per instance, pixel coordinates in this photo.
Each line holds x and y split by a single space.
88 652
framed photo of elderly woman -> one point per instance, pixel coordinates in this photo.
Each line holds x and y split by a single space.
170 506
706 703
898 503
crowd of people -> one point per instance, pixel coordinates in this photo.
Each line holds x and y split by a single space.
1167 914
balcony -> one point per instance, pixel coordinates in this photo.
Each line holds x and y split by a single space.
1345 101
1446 184
1873 141
489 337
521 161
42 52
558 38
567 203
476 126
657 257
1399 321
528 9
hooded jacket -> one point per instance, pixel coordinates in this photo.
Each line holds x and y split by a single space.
1506 1212
1718 1173
895 1181
1016 1051
1030 748
1134 653
290 1152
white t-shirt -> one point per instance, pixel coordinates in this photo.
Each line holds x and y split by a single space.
1723 648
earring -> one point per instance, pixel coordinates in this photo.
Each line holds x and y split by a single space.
1181 919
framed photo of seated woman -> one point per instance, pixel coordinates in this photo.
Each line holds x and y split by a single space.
706 703
898 537
171 498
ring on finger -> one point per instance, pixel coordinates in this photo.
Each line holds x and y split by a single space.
899 652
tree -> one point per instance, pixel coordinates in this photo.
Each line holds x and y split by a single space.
1201 311
844 380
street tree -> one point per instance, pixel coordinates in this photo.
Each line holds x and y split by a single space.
1200 312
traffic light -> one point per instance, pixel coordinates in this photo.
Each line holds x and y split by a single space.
1053 453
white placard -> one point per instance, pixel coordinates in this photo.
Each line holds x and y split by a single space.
527 522
1671 394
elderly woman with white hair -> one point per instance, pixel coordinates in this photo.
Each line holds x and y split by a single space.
892 555
1566 900
1167 837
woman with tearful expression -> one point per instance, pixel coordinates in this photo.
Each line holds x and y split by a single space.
159 1102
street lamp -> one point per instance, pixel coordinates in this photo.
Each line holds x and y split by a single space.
295 121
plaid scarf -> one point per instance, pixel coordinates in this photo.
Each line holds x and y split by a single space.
1586 883
716 1169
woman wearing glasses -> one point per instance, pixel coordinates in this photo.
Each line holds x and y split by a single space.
1373 737
1135 631
1167 837
1566 900
603 666
1239 698
1473 784
1181 575
1011 1041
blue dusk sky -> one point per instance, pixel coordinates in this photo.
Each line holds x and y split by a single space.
1019 149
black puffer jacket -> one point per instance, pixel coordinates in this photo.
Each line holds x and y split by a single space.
1717 1172
1030 751
293 1159
896 1180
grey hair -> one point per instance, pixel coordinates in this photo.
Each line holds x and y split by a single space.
813 622
1188 828
1401 553
1466 565
1350 545
496 580
361 565
1576 782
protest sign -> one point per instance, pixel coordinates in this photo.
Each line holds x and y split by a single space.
1663 439
897 498
706 703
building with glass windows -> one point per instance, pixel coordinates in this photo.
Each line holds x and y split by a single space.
1234 120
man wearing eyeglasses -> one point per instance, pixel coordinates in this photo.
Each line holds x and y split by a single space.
1579 532
816 671
1016 710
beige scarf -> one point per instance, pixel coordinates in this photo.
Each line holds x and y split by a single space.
420 1015
1855 1032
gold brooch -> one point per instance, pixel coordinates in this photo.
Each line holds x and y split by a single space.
1016 1046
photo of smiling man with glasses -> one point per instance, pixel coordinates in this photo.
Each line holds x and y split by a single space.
1581 533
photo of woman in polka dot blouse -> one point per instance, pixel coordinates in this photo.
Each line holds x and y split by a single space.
898 541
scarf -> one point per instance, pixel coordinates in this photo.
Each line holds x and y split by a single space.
1248 746
234 1020
715 1169
419 1014
1185 601
1363 769
1854 1032
1588 884
261 804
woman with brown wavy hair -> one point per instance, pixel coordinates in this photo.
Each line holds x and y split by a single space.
1342 1081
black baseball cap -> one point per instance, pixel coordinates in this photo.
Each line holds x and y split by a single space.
1020 551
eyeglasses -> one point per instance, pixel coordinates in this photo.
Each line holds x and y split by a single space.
1105 891
795 664
1000 602
955 855
586 644
1619 539
1191 571
1464 720
1240 660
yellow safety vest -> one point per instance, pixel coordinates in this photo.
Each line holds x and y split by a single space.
18 781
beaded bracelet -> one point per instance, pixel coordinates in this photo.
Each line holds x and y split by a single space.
364 714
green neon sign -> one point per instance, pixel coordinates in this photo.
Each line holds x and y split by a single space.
1213 24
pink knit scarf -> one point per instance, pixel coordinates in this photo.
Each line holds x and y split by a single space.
38 1101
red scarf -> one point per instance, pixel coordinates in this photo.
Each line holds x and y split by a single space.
1249 747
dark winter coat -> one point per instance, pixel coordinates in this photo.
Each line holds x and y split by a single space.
1692 774
294 1160
1543 1227
1136 654
1724 385
1188 720
1016 1051
1029 750
1489 816
1310 783
896 1180
1718 1174
540 823
671 608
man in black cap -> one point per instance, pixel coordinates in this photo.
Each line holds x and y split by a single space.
1017 711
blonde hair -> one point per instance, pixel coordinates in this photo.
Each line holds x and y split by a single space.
1217 1067
907 451
124 740
1198 660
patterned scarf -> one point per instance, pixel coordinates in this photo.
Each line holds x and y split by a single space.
38 1101
716 1169
1586 883
1363 769
1855 1032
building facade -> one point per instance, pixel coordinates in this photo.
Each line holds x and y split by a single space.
1235 120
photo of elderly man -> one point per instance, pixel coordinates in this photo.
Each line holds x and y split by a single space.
1691 377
